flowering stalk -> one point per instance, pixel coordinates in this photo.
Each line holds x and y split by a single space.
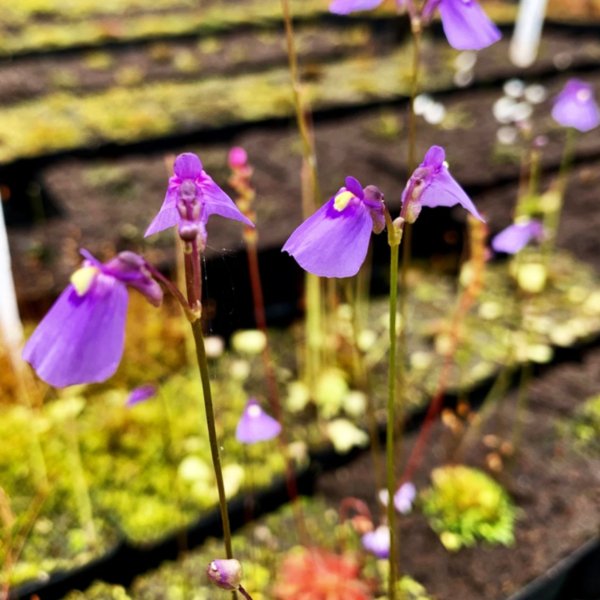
397 371
552 217
310 198
406 250
394 239
212 433
192 197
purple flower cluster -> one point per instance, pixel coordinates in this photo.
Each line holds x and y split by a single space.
333 242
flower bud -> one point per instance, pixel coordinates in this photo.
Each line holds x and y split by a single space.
238 158
225 573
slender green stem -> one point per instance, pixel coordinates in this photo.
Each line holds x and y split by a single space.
397 371
552 220
212 432
244 593
407 235
414 89
310 200
391 402
308 150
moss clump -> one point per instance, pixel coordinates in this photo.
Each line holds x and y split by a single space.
465 505
584 427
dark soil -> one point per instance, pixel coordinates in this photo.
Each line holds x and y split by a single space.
557 490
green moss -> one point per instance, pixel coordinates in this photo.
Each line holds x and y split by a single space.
584 427
465 506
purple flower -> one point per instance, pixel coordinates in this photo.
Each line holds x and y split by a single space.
81 338
576 107
516 236
256 425
404 498
192 197
432 185
333 242
345 7
377 542
465 24
140 394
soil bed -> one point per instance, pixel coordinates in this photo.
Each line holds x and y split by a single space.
556 488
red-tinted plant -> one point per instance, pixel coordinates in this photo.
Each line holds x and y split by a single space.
314 574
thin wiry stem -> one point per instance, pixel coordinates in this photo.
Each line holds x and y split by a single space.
310 199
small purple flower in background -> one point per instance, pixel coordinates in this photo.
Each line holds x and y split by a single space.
192 197
377 542
345 7
404 498
515 237
465 24
256 425
81 338
432 185
333 242
576 107
141 394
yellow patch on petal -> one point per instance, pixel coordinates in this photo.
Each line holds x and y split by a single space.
342 200
83 278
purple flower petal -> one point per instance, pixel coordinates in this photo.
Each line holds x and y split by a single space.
439 187
81 338
377 542
353 185
515 237
140 394
256 425
345 7
131 268
217 202
167 216
332 243
576 107
466 25
404 497
444 190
